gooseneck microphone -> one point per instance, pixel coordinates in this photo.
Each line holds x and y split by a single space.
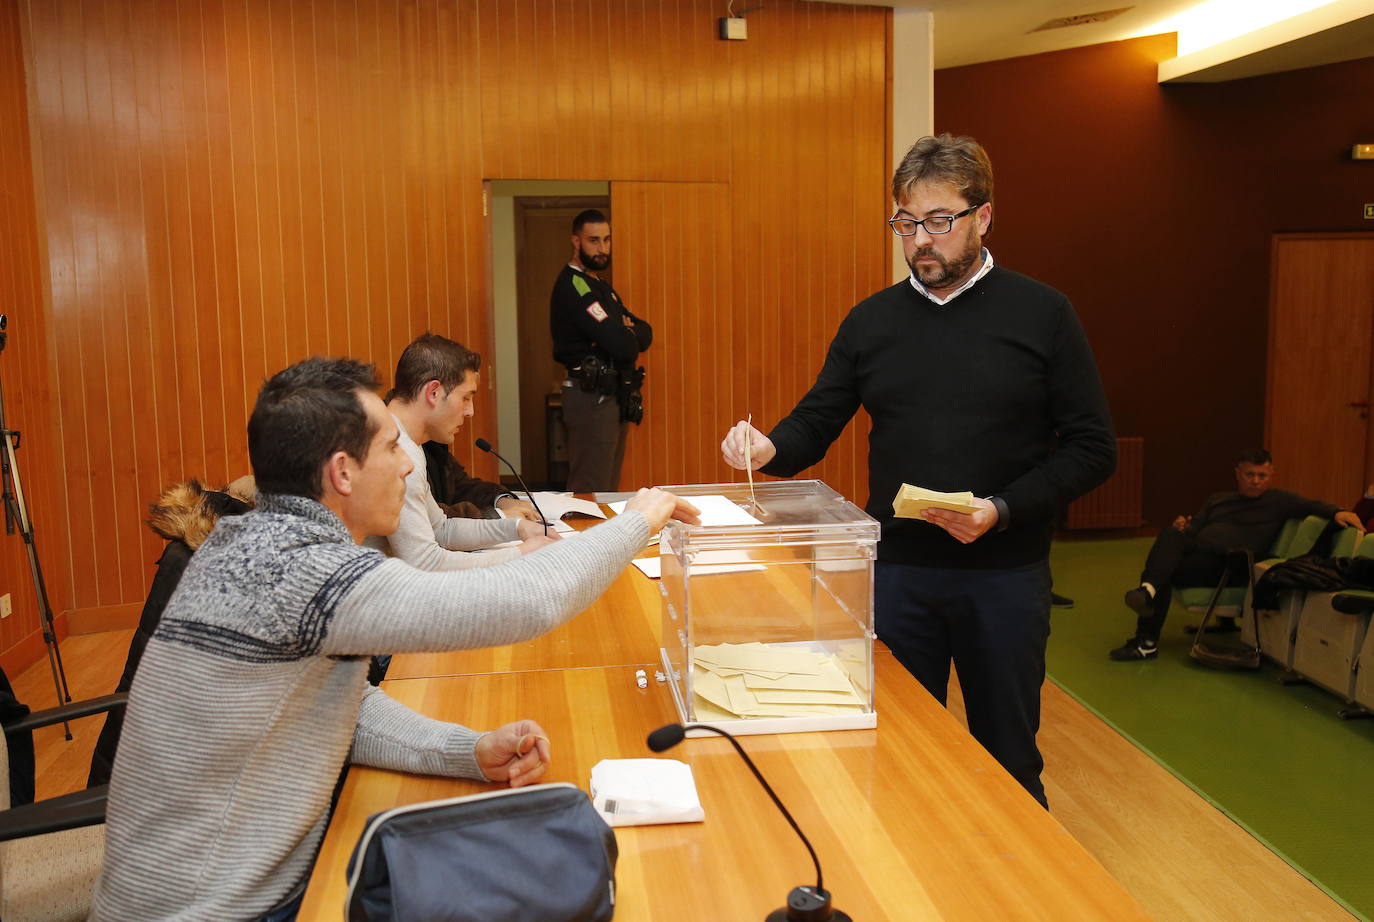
804 904
484 445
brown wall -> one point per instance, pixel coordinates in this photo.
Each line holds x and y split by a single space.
24 367
1158 203
232 186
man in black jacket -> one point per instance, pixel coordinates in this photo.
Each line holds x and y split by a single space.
976 378
1193 550
461 495
599 341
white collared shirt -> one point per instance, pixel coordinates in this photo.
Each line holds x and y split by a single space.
982 271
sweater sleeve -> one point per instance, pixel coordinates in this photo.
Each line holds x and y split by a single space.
644 333
429 540
804 436
1203 516
1304 507
1085 455
399 609
392 736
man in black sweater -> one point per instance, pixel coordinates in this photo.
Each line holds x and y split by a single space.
1193 551
976 378
599 341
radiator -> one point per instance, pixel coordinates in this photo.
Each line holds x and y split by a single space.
1117 503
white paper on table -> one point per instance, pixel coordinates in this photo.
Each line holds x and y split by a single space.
556 505
652 567
720 510
715 510
642 792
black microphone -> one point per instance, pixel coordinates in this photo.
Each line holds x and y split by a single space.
484 445
804 904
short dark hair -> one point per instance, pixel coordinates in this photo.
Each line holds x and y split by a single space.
432 357
590 216
304 414
1256 456
959 161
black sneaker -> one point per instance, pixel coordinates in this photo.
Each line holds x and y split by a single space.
1135 649
1140 601
1060 601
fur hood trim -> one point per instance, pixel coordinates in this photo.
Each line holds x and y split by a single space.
188 512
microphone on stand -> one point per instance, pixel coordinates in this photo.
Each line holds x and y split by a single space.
804 904
484 445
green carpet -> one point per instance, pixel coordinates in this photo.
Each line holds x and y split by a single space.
1276 759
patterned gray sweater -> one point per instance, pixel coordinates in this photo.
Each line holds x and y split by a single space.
252 696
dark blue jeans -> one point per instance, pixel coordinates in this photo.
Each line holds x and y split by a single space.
993 625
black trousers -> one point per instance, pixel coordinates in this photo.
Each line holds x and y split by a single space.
993 625
1176 559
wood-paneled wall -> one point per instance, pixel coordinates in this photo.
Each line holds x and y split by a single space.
232 185
24 369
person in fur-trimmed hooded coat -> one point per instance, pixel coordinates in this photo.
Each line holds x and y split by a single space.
185 515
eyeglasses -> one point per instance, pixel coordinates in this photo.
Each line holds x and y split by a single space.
935 224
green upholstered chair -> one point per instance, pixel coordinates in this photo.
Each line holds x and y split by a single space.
1295 539
1277 629
1363 678
1246 653
1331 632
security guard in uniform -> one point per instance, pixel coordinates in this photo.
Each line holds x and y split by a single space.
599 341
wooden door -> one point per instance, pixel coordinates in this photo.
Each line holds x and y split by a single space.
1321 340
543 225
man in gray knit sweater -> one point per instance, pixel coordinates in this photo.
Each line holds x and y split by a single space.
252 695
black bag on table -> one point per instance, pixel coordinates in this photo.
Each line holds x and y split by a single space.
539 852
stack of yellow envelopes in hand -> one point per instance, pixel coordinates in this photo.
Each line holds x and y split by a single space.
747 680
911 500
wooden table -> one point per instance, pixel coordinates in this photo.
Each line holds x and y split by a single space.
911 821
620 629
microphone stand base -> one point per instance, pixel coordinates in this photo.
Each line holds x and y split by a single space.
807 904
784 915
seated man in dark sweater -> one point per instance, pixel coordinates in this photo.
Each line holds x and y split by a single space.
1193 551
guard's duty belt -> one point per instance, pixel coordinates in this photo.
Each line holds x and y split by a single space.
596 375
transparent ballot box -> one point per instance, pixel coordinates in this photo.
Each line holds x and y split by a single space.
768 608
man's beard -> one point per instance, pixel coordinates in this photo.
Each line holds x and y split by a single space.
946 273
596 263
